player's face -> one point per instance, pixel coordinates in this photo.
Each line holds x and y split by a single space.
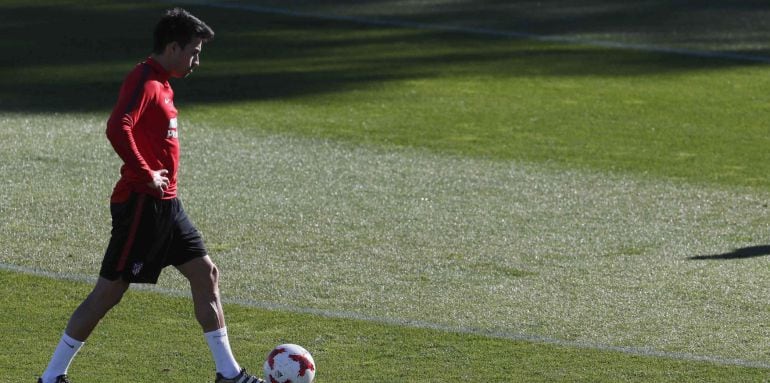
187 58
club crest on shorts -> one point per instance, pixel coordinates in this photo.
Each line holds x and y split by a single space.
137 268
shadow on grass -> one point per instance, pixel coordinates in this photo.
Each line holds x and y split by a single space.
68 57
708 24
741 253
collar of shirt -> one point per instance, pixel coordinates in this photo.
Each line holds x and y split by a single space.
164 74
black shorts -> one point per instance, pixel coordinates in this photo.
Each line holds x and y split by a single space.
149 234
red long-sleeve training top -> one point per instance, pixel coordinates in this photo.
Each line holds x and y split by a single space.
143 131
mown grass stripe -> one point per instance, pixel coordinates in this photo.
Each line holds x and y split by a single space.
644 352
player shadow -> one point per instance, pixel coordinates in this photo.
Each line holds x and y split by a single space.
740 253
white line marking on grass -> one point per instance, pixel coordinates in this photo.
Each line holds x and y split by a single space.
644 352
484 31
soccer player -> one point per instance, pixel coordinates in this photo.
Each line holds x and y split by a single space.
150 229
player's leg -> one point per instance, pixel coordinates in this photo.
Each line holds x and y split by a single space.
132 235
203 276
105 295
189 256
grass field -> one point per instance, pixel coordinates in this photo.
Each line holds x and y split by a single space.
411 204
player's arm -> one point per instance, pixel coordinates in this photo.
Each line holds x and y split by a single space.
120 135
131 104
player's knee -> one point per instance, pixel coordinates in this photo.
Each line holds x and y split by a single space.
202 274
214 275
101 302
207 276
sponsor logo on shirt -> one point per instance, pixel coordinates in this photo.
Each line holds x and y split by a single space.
172 131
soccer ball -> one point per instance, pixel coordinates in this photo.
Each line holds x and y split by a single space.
289 363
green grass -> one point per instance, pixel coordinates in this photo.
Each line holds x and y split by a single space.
476 184
578 256
641 113
153 337
695 119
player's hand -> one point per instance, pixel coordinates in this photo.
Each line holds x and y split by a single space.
159 181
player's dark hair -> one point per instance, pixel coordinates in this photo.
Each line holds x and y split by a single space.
178 25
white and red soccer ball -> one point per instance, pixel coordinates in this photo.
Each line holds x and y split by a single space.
289 363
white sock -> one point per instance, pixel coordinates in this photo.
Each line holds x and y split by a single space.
62 357
223 355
